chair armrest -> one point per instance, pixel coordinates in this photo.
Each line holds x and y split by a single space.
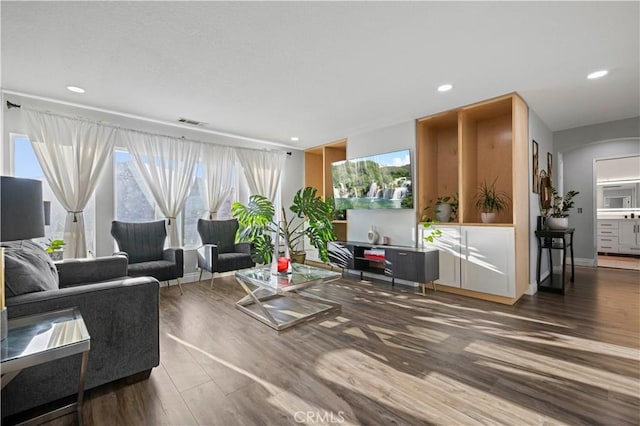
73 272
175 255
122 253
244 247
208 257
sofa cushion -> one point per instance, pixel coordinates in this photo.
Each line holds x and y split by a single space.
233 261
28 268
161 270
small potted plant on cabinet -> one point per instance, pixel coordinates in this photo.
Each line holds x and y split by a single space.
558 213
445 209
490 201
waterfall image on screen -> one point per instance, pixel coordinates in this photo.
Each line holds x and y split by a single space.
376 182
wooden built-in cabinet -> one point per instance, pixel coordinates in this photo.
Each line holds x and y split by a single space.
459 150
317 174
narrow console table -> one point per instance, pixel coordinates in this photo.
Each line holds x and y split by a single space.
555 239
407 263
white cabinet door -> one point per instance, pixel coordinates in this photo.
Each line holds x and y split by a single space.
627 235
488 260
448 244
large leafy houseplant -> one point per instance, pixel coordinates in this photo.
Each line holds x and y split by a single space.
312 218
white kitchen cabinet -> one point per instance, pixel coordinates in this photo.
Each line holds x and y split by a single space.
487 259
449 258
629 236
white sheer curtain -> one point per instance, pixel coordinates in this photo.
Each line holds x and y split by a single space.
262 170
72 153
167 166
218 166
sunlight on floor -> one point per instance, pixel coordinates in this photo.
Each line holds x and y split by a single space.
552 366
435 398
280 398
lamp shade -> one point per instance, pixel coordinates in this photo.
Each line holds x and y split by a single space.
21 209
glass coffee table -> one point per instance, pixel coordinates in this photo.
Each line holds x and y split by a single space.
36 339
284 300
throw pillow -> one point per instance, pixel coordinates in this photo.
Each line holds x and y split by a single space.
28 268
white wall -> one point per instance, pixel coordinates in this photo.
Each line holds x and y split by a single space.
579 175
292 177
539 132
399 225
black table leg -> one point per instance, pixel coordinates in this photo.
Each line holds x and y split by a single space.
564 260
539 261
573 269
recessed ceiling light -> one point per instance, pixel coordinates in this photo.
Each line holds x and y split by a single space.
295 138
597 74
75 89
445 87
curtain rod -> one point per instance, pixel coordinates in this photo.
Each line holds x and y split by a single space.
11 105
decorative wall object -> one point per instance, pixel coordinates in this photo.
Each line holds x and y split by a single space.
550 168
535 167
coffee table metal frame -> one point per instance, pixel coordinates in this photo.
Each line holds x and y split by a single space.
267 286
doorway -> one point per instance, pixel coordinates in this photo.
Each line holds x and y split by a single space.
618 212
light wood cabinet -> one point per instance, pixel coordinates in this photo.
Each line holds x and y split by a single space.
317 174
459 150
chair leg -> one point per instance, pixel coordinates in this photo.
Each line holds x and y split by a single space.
179 285
212 276
200 279
434 286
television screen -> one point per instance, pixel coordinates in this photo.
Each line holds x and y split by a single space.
376 182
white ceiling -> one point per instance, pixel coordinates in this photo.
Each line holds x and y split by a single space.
324 70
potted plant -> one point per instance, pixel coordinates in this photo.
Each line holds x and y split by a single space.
558 213
490 201
445 209
54 248
312 219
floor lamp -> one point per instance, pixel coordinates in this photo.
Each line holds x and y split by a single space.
21 218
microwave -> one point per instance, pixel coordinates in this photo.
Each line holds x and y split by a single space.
620 202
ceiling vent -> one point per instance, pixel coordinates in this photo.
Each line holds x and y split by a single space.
191 122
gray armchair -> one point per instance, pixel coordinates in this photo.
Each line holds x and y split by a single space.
220 252
143 244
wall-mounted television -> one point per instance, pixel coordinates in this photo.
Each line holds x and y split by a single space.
380 181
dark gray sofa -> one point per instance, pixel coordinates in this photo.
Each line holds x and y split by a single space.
122 316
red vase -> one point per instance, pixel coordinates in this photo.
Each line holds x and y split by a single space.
283 264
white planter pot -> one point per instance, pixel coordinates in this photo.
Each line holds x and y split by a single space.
488 217
558 222
443 212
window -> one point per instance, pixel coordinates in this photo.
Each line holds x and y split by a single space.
26 165
134 202
196 208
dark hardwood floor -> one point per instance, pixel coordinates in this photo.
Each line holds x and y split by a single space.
393 357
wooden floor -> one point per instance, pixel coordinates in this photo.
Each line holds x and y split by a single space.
393 358
621 262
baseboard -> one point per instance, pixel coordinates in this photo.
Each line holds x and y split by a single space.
533 286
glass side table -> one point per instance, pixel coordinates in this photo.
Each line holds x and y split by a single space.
36 339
